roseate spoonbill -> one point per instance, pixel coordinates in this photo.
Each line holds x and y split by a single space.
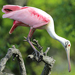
35 19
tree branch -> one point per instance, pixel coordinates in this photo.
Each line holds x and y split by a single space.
15 53
42 56
49 61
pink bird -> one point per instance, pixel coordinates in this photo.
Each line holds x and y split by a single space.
35 19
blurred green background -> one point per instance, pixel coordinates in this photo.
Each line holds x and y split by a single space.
63 13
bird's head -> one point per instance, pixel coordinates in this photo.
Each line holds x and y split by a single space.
67 46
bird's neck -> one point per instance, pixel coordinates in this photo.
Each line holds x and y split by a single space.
51 31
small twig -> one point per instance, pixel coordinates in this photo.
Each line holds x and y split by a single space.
48 48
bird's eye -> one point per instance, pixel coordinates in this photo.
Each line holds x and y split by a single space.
69 45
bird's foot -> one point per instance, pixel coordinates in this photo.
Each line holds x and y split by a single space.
35 43
36 52
25 39
36 56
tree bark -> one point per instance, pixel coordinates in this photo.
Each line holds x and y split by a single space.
15 53
42 56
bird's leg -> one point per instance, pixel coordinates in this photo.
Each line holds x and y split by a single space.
28 40
31 32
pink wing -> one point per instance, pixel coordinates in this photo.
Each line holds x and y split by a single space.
9 8
29 15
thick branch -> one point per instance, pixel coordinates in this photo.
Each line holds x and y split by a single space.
16 53
48 65
5 73
46 70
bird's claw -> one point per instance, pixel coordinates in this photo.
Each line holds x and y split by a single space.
35 43
38 56
25 39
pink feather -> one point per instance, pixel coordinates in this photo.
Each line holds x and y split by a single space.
31 16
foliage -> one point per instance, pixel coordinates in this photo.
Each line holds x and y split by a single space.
63 13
